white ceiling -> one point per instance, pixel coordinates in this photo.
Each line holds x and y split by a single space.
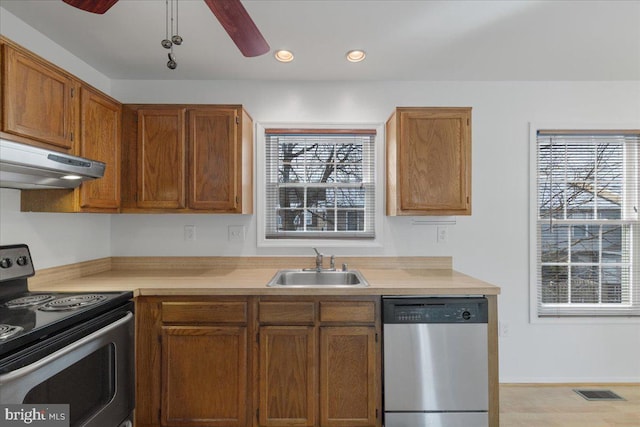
404 40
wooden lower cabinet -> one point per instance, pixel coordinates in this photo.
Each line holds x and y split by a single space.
348 372
193 362
258 361
204 376
319 361
288 384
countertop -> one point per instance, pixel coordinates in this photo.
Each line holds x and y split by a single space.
249 276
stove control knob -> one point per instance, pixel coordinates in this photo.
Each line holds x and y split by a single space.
5 263
22 261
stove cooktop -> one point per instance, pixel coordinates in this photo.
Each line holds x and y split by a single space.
28 317
24 324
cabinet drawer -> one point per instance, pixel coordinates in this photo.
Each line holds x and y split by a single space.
287 312
209 312
348 311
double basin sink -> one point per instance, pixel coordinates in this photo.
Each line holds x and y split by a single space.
313 278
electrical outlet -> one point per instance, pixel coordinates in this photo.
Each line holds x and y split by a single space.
189 233
443 234
236 233
503 329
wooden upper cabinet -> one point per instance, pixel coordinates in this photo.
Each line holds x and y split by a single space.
39 101
161 158
187 158
429 161
100 136
214 156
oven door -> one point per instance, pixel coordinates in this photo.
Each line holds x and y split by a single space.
92 372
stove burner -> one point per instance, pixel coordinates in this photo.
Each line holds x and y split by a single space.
8 330
28 301
72 303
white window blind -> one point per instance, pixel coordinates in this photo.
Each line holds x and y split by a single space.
320 183
588 244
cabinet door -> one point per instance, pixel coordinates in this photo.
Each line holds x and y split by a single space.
100 140
434 161
37 100
204 376
348 376
213 167
288 382
161 159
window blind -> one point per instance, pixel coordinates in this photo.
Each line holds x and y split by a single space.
588 244
320 183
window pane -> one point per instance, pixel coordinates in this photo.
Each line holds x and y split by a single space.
612 243
584 284
612 284
585 245
554 284
291 197
554 243
350 220
350 197
580 176
551 180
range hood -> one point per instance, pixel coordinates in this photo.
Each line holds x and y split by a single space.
26 167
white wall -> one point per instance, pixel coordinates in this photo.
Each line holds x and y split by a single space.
492 244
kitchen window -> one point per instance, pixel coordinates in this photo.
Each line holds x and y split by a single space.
319 184
587 223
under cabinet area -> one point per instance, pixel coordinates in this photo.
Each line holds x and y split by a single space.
187 159
258 361
99 139
429 161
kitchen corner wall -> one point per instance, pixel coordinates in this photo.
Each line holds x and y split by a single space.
492 244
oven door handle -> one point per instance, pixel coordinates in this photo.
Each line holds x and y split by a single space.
14 389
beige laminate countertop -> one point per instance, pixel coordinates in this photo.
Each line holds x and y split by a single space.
151 277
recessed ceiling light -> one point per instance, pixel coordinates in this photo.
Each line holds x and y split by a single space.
356 55
284 55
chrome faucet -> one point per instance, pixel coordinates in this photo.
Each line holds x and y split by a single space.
319 258
320 261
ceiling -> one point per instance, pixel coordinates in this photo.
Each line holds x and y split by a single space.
404 40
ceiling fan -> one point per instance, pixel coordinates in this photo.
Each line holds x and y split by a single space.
232 15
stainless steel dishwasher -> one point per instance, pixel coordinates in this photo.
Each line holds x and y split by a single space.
435 362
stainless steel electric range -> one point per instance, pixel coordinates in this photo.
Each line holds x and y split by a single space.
74 349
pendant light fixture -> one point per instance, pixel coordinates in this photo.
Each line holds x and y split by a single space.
175 38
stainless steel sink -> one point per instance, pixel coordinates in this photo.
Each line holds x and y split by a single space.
314 278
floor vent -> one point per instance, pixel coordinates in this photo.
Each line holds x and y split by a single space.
598 395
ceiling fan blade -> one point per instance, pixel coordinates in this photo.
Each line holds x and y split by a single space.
239 25
93 6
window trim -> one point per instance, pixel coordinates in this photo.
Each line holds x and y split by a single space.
260 183
533 216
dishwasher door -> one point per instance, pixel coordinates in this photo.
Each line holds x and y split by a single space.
435 374
436 367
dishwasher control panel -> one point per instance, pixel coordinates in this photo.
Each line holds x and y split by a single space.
435 310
